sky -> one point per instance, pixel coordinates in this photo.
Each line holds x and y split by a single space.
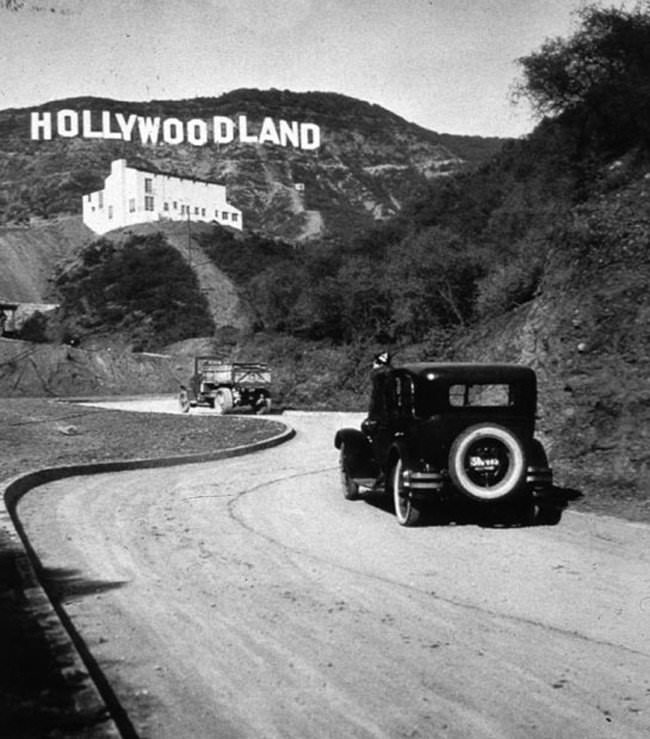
447 65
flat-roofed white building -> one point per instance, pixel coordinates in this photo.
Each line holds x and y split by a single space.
133 195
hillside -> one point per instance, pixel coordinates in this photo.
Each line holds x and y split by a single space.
538 255
586 333
29 256
369 161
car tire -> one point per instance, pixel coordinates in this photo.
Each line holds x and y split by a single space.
500 462
350 487
406 510
223 400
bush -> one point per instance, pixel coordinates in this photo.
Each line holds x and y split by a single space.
35 329
142 289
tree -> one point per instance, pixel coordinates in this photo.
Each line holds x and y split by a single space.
599 78
433 282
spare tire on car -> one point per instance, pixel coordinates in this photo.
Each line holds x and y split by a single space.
487 462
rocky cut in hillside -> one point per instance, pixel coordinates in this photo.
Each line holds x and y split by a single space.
367 162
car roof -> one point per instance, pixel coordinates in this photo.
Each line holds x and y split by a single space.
470 372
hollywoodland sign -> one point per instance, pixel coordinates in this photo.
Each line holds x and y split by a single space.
218 129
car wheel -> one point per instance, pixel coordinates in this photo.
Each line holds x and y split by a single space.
406 511
223 400
487 462
350 487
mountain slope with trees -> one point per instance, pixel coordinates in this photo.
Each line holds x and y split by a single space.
368 164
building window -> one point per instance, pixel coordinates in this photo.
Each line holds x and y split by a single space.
224 215
148 202
235 216
175 205
100 199
165 206
89 198
203 212
131 205
110 211
148 185
196 211
216 214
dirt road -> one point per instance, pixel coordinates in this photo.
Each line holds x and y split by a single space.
246 598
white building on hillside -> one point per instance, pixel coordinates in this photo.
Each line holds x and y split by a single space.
132 195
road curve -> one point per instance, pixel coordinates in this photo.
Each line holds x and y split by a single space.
246 598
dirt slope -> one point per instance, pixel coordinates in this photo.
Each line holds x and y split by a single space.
28 256
47 370
586 334
226 307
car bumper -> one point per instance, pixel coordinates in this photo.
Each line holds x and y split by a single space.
538 478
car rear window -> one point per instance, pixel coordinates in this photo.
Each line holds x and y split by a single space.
484 396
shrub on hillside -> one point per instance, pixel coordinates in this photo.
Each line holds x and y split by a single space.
508 286
143 289
35 328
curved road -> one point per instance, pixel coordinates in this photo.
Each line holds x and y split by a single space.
246 598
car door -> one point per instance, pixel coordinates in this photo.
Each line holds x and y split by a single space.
379 426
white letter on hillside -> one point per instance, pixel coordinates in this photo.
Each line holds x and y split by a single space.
289 133
309 136
87 126
173 131
197 132
126 126
67 123
149 128
43 123
223 130
269 132
106 126
244 136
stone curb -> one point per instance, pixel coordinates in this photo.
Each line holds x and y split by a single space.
96 696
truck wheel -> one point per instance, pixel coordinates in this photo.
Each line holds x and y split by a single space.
350 487
184 402
223 400
406 511
487 462
263 406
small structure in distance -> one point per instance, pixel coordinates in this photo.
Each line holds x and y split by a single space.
133 195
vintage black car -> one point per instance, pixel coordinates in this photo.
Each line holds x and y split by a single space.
438 434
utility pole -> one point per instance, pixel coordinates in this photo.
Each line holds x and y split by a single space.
189 237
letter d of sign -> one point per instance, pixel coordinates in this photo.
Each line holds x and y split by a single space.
309 136
223 129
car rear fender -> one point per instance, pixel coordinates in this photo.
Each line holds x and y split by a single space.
359 459
539 474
